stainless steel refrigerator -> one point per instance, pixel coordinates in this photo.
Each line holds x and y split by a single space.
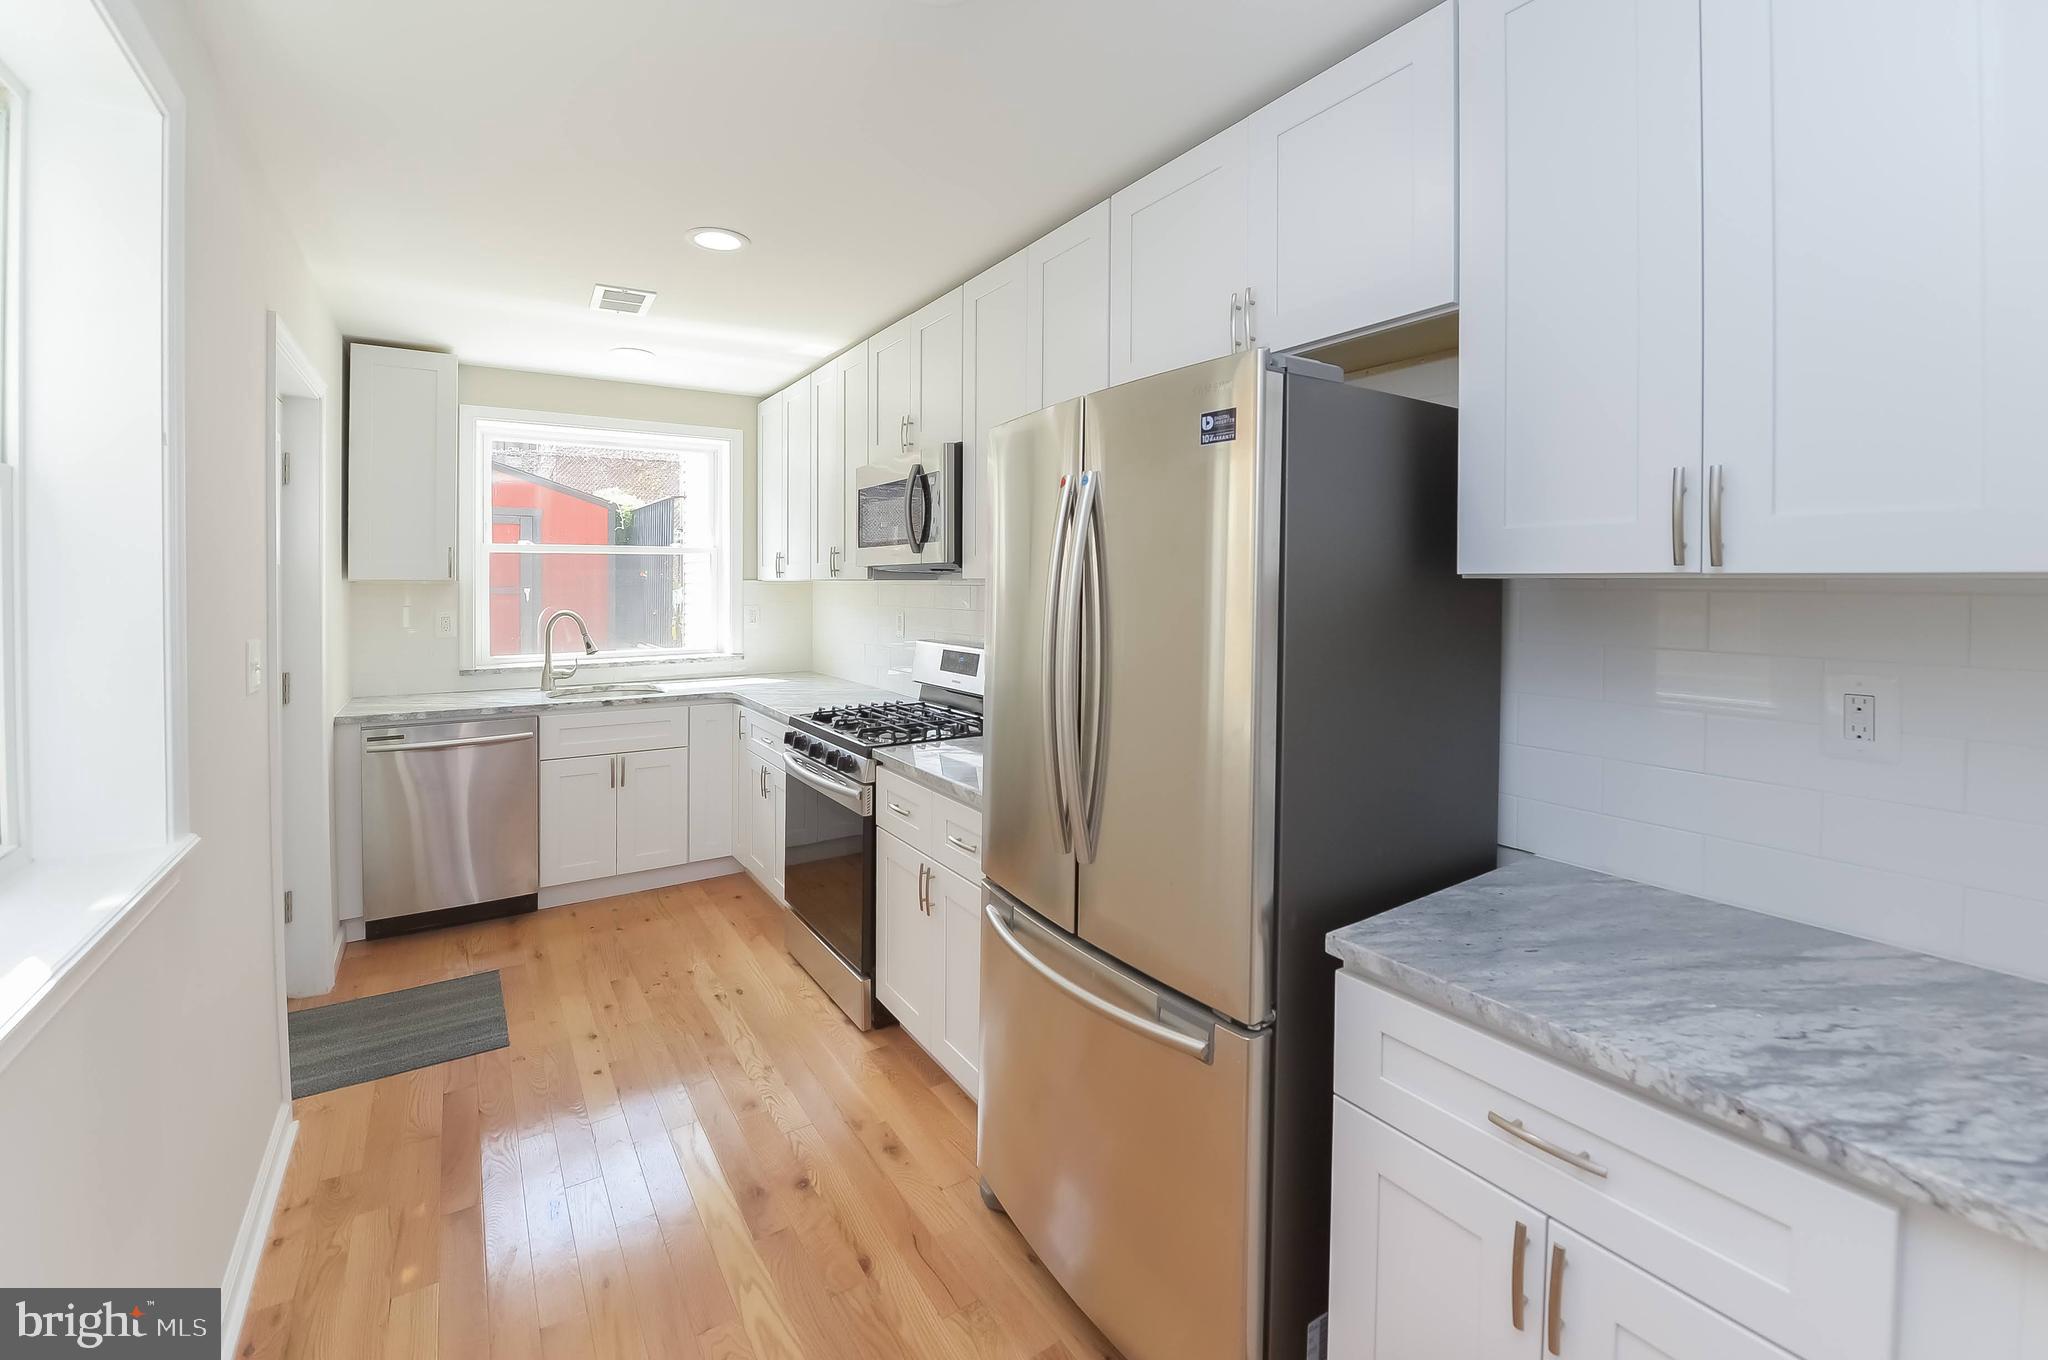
1237 696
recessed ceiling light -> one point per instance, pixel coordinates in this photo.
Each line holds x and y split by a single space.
717 238
632 356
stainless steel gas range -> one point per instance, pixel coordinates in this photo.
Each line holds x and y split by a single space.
828 838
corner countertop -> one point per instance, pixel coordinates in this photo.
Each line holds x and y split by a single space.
951 767
780 696
1919 1077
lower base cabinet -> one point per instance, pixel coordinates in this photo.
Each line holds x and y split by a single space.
1427 1259
928 935
759 822
613 814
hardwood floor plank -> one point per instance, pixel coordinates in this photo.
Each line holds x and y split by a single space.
684 1151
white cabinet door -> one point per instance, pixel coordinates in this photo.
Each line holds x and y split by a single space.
713 743
579 819
1609 1310
1066 310
956 926
828 474
1354 207
746 791
853 424
905 979
1579 327
762 795
1179 261
890 362
1875 284
771 487
800 436
993 390
654 809
935 371
1424 1254
401 464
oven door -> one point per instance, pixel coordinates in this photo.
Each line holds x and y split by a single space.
828 859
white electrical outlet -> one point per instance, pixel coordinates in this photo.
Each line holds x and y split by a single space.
255 664
902 625
753 614
1860 716
444 624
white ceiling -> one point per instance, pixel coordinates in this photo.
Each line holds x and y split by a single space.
461 172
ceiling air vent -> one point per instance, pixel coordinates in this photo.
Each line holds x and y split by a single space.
624 301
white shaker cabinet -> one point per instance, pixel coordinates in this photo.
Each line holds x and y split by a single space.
1876 204
1426 1259
928 922
1580 342
761 808
993 390
579 819
713 753
1609 1310
1353 190
653 809
401 464
1179 262
955 904
889 392
784 485
828 474
1066 310
906 972
934 408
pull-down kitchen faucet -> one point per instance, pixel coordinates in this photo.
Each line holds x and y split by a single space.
547 634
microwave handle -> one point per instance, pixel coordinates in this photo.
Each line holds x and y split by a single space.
920 534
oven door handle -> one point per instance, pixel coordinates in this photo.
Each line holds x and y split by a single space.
855 798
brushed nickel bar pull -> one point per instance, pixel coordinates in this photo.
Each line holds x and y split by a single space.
1518 1301
962 846
1678 517
1236 311
1714 479
1554 1319
1513 1128
1251 320
898 808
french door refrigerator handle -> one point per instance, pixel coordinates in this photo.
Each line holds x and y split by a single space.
1069 725
1088 551
1186 1043
1054 571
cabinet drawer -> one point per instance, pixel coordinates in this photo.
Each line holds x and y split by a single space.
762 735
905 810
609 731
1790 1254
956 838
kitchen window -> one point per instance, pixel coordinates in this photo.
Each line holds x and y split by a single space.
10 519
633 525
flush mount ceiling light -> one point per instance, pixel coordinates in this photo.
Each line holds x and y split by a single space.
717 238
632 356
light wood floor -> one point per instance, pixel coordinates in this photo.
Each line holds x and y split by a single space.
686 1151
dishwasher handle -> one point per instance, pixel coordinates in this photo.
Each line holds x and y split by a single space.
444 745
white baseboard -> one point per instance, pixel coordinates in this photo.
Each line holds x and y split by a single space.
247 1257
590 890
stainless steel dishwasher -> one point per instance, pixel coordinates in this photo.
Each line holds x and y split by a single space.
451 823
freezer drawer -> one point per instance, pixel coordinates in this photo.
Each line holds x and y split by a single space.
1123 1129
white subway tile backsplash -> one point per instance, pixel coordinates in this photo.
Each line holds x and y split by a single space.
1697 763
1653 736
854 626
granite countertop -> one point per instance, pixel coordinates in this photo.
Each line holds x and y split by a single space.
1919 1077
781 696
951 767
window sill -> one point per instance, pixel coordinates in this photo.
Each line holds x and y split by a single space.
606 663
61 919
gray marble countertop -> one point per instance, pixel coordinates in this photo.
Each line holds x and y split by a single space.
781 697
951 767
1919 1077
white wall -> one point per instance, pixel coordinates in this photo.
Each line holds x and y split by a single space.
386 657
134 1122
863 630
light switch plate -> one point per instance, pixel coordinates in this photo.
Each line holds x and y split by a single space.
1860 716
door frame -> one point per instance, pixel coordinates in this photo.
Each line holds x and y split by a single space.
301 812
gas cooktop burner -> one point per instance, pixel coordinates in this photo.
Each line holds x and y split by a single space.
896 724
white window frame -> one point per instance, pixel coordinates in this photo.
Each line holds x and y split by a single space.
473 574
12 830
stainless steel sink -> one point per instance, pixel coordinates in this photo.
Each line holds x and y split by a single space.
576 691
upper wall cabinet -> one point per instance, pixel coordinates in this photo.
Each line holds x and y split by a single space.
832 509
934 409
1876 284
1353 189
1066 310
1579 329
889 365
993 389
401 464
1179 263
786 435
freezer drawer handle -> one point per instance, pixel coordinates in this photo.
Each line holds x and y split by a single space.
451 742
1151 1029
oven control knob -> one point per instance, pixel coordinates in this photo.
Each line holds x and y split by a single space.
791 738
843 760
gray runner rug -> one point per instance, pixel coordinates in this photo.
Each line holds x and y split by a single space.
375 1036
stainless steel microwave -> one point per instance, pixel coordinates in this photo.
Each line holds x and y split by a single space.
907 513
